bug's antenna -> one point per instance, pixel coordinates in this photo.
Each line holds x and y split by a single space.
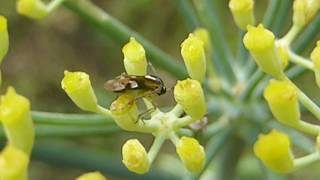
154 71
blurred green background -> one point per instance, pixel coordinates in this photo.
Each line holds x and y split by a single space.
41 50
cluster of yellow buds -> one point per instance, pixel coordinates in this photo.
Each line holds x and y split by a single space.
91 176
188 94
36 9
282 95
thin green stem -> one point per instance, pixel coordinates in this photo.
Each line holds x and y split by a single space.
54 4
308 128
295 58
222 58
103 111
306 101
110 26
69 119
156 146
185 9
177 110
184 121
290 36
306 160
216 127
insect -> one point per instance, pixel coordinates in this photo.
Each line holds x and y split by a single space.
149 84
146 85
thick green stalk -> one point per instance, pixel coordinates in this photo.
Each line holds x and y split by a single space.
44 131
222 57
307 36
70 119
270 13
110 26
281 16
230 158
186 11
87 159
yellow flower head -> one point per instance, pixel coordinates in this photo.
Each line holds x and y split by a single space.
274 151
13 163
78 87
34 9
91 176
135 61
16 119
192 51
135 157
191 153
189 94
242 11
13 107
304 11
261 44
4 38
204 36
283 101
125 112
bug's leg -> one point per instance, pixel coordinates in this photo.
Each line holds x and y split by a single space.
148 111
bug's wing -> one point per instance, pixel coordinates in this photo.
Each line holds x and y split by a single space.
117 85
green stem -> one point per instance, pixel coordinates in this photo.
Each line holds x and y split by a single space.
121 33
44 131
155 148
291 35
307 128
103 111
69 119
215 127
243 53
222 58
184 121
185 9
54 4
305 100
177 110
306 160
295 58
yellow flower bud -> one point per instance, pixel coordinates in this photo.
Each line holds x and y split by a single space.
242 12
284 56
13 164
191 153
274 151
34 9
125 112
192 51
135 157
16 119
283 101
204 36
78 87
189 94
4 38
135 61
91 176
304 11
315 57
261 44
